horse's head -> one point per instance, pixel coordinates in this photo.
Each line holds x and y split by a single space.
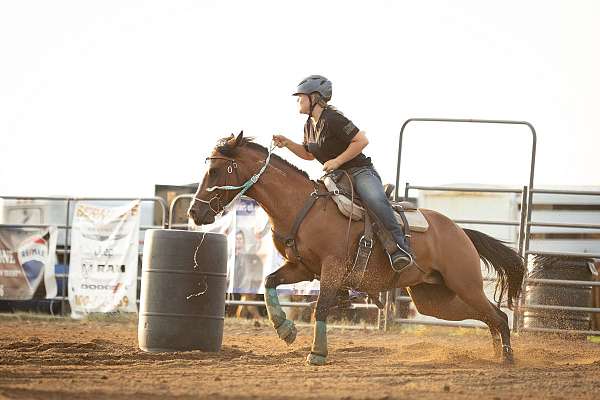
228 165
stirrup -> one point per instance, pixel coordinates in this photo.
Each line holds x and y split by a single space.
410 262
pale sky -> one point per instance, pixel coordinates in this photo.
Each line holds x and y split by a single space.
108 98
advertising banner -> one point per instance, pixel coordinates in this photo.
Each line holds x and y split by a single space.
27 259
104 259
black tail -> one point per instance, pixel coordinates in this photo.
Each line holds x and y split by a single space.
508 264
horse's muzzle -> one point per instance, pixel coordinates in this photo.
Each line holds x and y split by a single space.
201 215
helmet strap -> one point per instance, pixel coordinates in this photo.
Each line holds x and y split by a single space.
314 104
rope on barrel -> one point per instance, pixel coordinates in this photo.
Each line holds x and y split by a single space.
196 266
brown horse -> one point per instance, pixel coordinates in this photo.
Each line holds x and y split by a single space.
445 250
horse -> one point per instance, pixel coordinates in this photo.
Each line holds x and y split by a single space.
238 165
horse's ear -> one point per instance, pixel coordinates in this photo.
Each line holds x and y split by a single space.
239 138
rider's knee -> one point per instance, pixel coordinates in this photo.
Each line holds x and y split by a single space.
370 198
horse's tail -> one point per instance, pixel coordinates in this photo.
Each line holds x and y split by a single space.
508 264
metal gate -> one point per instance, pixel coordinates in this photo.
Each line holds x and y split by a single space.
525 224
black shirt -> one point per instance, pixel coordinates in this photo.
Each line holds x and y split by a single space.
331 137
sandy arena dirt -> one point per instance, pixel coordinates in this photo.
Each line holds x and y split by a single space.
42 358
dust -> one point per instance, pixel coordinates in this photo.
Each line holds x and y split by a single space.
96 359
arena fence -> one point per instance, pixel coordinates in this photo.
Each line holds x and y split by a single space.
525 193
384 317
67 226
522 307
525 224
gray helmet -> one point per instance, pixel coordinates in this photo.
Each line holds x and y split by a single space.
315 83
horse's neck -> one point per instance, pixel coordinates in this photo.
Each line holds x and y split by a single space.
281 196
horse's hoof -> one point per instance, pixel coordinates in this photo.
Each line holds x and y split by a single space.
315 359
287 331
507 354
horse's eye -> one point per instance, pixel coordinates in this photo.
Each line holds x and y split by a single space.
212 171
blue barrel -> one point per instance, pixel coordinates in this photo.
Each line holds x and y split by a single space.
182 300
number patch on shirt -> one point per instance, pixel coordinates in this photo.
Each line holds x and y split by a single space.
349 128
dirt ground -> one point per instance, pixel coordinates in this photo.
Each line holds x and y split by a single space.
43 358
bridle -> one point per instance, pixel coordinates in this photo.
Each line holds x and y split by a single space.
244 187
230 168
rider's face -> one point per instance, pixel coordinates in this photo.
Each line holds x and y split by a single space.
303 104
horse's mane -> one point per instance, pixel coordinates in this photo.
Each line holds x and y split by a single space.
228 147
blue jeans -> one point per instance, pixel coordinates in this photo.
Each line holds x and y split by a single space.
370 189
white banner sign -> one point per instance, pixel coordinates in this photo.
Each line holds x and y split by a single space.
104 259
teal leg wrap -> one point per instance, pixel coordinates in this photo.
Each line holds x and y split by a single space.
276 314
318 354
285 328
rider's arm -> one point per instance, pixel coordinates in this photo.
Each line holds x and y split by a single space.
356 146
299 150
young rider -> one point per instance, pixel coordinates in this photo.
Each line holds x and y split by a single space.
337 143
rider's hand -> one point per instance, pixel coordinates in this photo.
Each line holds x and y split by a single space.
331 165
280 140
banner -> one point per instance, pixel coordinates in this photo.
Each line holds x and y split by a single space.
27 257
104 259
253 247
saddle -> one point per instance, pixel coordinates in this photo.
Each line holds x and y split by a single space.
349 204
342 196
339 188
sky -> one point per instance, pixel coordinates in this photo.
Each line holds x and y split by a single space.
109 98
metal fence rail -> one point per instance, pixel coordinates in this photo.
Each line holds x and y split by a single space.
67 226
573 283
525 224
172 208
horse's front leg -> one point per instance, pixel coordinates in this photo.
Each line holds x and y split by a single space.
331 282
288 273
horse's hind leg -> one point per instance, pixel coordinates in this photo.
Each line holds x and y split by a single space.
469 287
496 336
441 302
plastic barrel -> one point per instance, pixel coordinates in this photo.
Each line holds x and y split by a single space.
170 317
555 295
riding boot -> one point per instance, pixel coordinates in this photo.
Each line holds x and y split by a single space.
402 258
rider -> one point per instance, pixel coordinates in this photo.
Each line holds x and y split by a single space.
337 143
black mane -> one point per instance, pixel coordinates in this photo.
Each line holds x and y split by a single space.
228 147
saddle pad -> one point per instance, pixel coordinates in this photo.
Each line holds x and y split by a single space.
415 218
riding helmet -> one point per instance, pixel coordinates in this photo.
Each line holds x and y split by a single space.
315 84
